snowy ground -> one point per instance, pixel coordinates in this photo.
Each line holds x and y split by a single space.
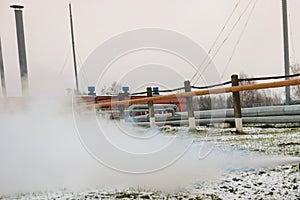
281 182
276 182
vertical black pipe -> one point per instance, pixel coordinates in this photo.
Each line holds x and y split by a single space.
286 50
21 48
73 48
2 73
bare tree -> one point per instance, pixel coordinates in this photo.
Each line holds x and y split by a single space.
254 98
295 68
210 102
114 89
249 98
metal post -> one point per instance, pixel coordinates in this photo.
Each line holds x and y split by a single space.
21 48
73 49
189 101
286 50
237 105
151 108
2 73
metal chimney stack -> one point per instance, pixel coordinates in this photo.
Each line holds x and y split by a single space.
21 47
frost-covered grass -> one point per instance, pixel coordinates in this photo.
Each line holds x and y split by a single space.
96 194
276 141
281 182
283 141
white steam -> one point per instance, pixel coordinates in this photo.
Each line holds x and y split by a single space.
41 150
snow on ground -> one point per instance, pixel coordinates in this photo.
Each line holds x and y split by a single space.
273 182
284 141
280 182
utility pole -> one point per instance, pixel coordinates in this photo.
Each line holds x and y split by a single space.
2 75
21 48
73 49
286 49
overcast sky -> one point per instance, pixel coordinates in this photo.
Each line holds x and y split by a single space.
47 35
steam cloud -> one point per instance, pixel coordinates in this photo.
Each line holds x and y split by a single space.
40 150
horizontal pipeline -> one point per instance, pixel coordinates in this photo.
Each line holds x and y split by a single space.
276 84
246 112
246 120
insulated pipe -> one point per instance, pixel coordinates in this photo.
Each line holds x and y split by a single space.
259 120
276 84
247 112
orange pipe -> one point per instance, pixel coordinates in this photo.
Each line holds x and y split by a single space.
289 82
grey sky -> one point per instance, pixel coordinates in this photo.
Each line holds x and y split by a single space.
47 35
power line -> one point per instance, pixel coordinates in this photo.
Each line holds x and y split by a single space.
225 83
226 38
215 42
65 62
84 75
167 90
211 86
269 77
239 39
292 37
